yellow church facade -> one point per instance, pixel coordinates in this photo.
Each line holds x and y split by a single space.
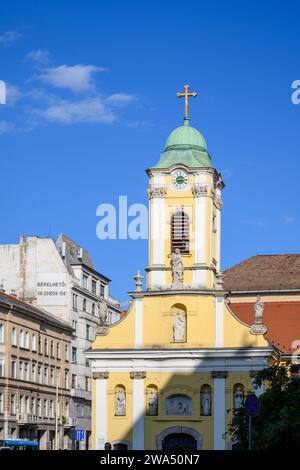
173 370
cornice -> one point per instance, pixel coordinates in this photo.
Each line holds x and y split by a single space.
183 291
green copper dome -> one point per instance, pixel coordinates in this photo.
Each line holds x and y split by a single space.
186 135
185 145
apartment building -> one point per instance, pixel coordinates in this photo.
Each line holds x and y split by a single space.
59 276
35 361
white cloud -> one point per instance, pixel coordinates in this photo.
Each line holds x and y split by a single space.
91 110
13 94
76 78
136 124
260 223
118 99
5 127
226 173
40 55
9 36
288 220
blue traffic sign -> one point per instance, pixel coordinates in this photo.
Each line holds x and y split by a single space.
79 434
252 405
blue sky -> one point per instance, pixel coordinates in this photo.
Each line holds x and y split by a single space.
91 100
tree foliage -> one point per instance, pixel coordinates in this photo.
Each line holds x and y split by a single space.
278 424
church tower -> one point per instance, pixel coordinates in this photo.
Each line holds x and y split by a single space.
174 369
185 210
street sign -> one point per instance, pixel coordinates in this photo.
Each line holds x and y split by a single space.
252 405
79 434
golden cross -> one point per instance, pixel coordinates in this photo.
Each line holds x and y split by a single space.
186 95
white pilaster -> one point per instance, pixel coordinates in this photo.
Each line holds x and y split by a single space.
219 413
138 335
200 230
101 413
199 278
219 311
218 239
211 212
158 224
138 414
200 275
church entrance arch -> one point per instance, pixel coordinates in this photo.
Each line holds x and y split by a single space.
179 441
180 438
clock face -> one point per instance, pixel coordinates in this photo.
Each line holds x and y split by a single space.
180 179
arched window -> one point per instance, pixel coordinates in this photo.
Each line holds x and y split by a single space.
33 342
22 339
27 340
58 351
14 337
46 347
180 233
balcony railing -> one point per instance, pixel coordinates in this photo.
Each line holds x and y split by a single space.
70 422
27 418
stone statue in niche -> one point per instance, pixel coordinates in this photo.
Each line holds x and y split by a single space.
258 310
152 402
238 398
120 403
179 328
205 403
177 269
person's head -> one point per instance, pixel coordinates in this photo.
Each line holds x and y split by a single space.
107 446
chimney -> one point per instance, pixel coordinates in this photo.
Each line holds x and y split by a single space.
63 250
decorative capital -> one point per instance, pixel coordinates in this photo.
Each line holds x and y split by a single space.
199 190
102 331
100 375
157 191
218 182
219 374
138 375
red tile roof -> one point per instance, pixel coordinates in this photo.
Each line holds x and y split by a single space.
281 318
264 272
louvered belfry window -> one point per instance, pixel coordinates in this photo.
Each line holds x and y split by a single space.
180 232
